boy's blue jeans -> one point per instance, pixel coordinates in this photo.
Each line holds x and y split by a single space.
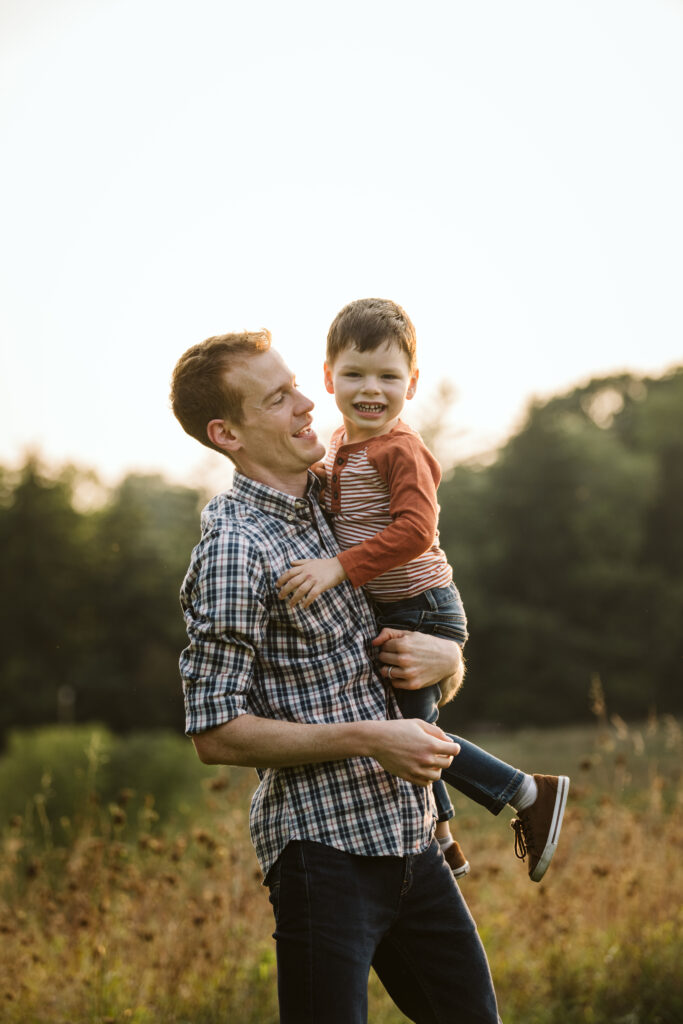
474 772
337 914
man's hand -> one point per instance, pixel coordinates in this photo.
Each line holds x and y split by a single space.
414 750
308 578
414 660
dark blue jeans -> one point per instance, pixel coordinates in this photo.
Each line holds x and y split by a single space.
337 914
475 772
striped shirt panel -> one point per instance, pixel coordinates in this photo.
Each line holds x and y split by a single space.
249 653
363 510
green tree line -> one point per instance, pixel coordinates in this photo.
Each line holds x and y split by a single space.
567 548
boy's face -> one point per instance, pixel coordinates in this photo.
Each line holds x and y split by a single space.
370 388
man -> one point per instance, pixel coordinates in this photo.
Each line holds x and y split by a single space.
342 820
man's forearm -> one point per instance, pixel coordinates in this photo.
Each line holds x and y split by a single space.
255 742
413 750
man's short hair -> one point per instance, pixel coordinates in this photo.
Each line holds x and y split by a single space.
201 388
366 324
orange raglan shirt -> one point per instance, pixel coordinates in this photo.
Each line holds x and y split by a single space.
381 495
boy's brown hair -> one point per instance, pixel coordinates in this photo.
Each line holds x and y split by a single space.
201 390
366 324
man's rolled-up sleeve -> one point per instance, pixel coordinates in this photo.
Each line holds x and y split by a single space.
225 616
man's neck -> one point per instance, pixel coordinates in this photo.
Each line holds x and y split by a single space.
294 484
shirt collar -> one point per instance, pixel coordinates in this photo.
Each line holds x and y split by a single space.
271 501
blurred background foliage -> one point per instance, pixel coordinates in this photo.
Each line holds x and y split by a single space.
566 544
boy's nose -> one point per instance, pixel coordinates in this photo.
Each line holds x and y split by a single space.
371 384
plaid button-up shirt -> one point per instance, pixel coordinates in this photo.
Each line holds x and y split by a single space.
249 653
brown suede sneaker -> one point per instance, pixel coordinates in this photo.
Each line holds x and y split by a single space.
537 829
456 860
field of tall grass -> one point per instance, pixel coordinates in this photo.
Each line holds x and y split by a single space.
129 891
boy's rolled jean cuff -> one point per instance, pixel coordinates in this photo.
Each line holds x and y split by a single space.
482 777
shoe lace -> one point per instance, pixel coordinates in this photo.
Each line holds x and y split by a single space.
522 839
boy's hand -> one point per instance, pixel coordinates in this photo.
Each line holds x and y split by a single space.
308 578
319 469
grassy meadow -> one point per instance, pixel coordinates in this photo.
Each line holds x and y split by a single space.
129 891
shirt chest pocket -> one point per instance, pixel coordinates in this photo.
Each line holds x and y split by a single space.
307 634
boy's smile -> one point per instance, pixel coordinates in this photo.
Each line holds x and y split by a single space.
370 388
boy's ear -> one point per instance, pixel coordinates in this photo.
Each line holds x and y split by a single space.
412 386
329 383
220 434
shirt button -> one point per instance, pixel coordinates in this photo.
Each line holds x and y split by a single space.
334 477
290 519
340 461
335 494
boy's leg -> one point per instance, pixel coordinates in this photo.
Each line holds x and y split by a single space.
474 772
432 961
540 800
482 777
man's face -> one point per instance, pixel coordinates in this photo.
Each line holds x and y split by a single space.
276 442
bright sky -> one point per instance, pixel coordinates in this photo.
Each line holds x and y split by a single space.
509 172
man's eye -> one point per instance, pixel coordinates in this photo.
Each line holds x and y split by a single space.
279 400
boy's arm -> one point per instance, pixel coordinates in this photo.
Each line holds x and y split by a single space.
412 475
413 750
309 578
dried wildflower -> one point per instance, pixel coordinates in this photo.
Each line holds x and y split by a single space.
219 784
597 697
620 727
33 867
202 837
117 814
179 847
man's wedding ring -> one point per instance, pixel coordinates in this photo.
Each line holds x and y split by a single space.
389 671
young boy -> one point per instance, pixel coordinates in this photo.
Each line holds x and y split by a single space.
380 491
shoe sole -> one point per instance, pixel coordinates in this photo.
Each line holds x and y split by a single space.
462 871
554 831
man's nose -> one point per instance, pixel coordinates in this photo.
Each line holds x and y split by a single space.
304 404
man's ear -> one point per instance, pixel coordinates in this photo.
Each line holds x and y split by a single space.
412 386
220 434
329 383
